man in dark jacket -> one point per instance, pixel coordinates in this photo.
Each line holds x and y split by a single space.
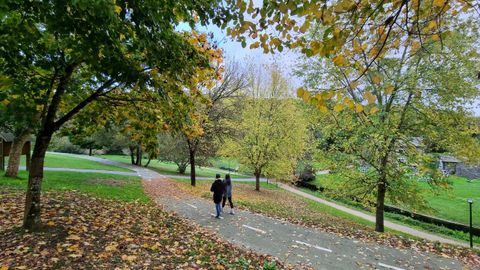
217 189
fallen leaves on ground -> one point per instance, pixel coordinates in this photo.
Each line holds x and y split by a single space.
85 232
285 206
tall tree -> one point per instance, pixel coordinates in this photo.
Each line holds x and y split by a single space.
70 54
271 131
208 111
370 124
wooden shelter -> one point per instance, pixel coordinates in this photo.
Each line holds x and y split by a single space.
6 140
448 164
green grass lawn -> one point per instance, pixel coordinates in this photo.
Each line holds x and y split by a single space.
170 168
62 161
395 218
450 204
125 188
220 162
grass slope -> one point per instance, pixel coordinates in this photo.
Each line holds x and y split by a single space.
110 186
61 161
450 204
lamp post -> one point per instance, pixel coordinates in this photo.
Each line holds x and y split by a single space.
470 202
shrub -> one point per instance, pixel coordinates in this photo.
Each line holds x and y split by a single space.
307 174
63 144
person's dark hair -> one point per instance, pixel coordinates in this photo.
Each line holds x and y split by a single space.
217 176
228 180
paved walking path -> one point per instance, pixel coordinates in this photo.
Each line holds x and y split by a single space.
371 218
149 174
137 169
290 242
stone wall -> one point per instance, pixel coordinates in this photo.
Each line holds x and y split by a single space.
470 172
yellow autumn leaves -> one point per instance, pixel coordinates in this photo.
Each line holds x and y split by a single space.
337 101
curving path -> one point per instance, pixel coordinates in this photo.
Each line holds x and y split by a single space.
293 243
289 242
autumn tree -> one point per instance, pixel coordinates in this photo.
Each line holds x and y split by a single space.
371 118
70 54
141 123
270 130
172 148
376 26
209 110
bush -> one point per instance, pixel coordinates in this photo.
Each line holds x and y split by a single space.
270 266
307 174
63 144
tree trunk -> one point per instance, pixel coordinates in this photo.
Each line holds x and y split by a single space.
257 181
16 153
192 167
381 190
148 162
132 155
31 220
90 151
182 168
139 155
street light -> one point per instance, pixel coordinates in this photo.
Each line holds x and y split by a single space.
470 202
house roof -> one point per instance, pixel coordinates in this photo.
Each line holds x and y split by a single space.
449 159
417 141
7 137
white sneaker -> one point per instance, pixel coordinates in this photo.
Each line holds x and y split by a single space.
231 212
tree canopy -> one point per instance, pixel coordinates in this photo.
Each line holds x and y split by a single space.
57 57
371 124
371 27
270 132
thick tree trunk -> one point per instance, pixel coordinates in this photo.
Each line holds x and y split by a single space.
381 190
31 220
132 154
192 168
139 156
257 181
90 151
16 153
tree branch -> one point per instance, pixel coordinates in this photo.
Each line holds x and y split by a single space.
82 104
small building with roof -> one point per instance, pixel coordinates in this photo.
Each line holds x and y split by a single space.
448 164
6 141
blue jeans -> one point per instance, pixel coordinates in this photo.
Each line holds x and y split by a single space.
218 207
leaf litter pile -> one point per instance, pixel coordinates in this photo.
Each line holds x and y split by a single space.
84 232
285 206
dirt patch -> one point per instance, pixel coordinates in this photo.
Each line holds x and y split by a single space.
106 182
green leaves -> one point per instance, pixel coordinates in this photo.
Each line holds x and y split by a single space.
271 128
379 27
